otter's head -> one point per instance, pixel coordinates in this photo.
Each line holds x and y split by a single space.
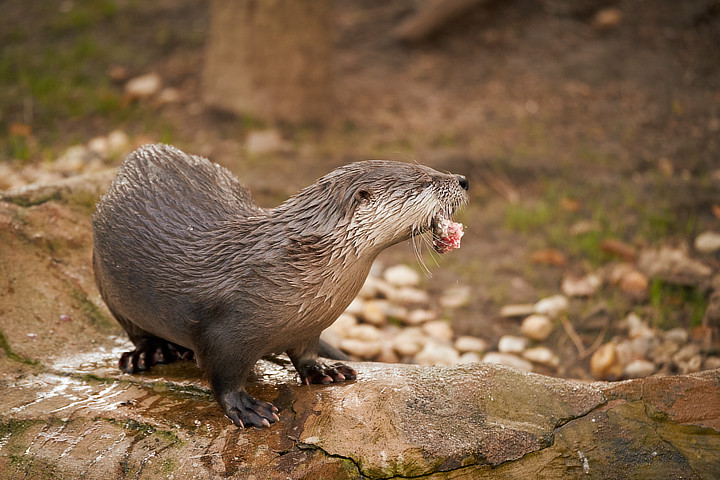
386 202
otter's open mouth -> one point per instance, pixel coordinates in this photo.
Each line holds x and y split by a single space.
446 234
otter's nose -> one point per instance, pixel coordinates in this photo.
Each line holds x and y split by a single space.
462 181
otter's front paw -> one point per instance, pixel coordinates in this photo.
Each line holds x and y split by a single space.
245 411
318 372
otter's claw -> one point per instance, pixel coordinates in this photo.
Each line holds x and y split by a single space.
321 373
245 411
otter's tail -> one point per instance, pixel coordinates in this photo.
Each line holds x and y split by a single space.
328 351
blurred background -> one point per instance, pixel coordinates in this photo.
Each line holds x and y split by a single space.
589 131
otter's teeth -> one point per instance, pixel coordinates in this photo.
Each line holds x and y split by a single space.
447 235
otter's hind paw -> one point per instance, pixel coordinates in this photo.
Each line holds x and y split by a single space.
151 352
318 372
245 411
135 361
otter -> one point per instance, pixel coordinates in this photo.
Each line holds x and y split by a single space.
191 267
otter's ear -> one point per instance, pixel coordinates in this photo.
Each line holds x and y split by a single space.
362 195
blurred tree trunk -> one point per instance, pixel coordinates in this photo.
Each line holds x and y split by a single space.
270 59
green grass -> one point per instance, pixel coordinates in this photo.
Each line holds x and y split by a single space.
54 71
676 305
619 211
5 346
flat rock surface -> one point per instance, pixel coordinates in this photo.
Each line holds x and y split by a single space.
67 412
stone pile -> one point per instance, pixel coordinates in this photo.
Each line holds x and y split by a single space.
93 156
394 321
646 351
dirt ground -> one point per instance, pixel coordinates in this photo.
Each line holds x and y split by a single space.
555 118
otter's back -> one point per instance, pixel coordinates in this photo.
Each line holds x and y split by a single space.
165 180
161 205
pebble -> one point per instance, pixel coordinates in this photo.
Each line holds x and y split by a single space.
512 344
118 142
617 271
583 227
542 355
118 73
410 296
702 333
356 307
169 95
343 324
455 297
639 369
360 348
552 306
369 288
470 357
395 312
401 276
434 353
409 342
692 365
260 142
8 177
618 248
419 316
674 266
604 362
607 18
99 146
508 360
642 346
520 310
707 242
387 353
586 286
384 289
549 256
373 312
439 329
366 333
634 283
73 161
143 86
625 352
537 327
466 344
633 321
664 351
712 313
686 353
333 337
34 174
637 327
711 363
676 335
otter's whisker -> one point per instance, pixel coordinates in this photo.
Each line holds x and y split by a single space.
429 242
418 253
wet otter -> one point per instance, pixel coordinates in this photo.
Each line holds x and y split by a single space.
189 265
